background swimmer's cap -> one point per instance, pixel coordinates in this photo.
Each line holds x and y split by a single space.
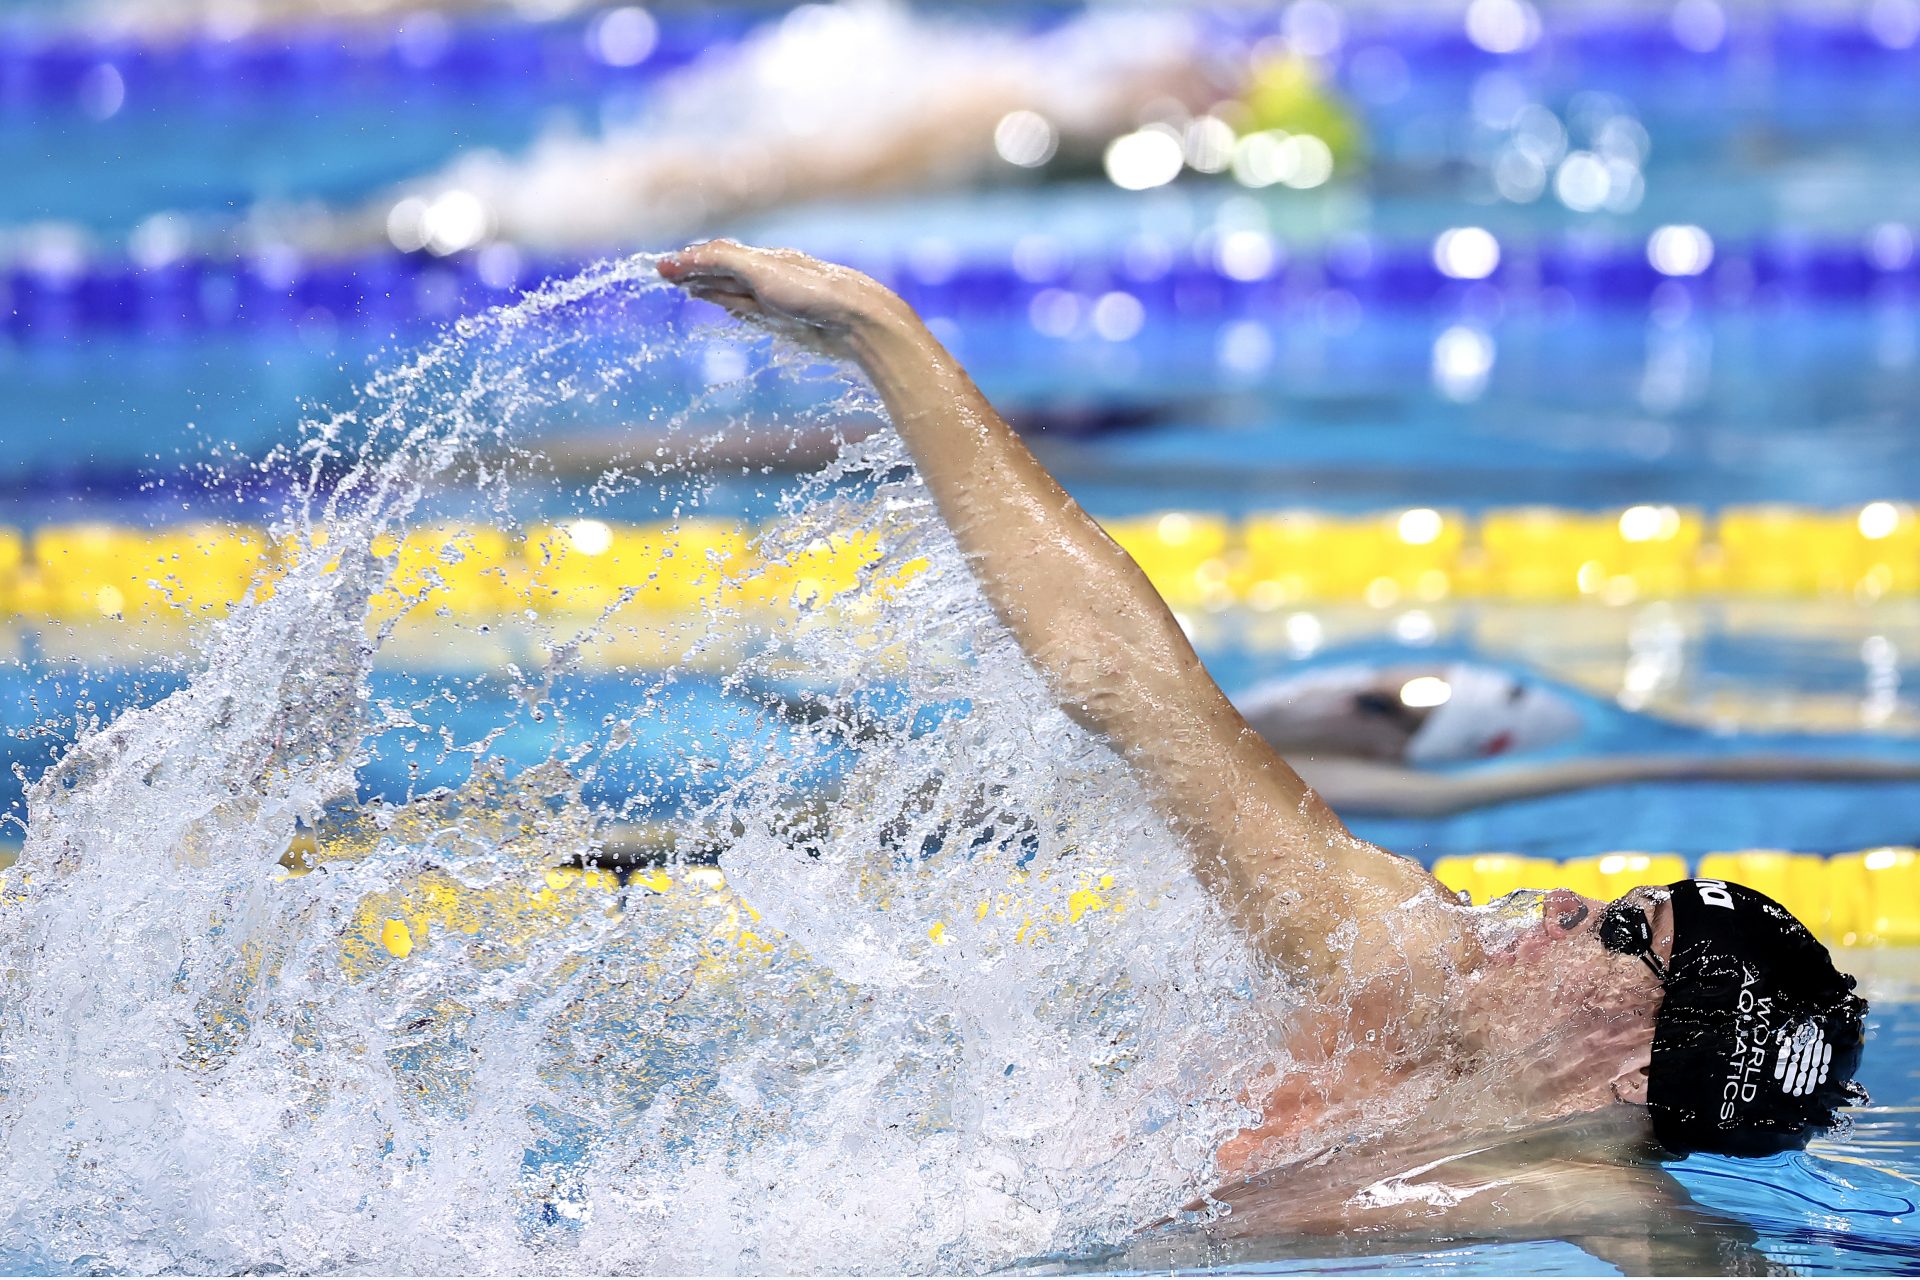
1758 1036
1294 95
1490 713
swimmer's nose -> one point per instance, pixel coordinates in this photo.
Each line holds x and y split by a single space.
1568 912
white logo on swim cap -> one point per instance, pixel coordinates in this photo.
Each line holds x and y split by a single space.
1804 1058
1714 893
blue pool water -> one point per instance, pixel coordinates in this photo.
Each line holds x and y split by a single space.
1302 397
1799 404
697 721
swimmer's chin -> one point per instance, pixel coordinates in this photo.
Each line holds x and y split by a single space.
1507 941
1510 954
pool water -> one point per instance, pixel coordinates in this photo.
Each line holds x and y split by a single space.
1713 406
1732 686
1292 393
1844 1206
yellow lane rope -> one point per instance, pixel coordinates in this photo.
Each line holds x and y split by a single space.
1870 897
1197 560
1867 898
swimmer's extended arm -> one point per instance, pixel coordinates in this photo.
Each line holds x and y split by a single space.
1321 901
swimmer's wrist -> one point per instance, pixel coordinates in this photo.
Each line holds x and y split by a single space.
879 310
885 332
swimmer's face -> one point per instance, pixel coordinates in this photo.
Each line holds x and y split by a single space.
1582 1016
1583 922
1564 925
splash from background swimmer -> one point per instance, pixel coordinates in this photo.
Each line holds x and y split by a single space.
983 1013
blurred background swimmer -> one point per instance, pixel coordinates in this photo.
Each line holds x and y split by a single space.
841 101
1402 740
162 19
1418 715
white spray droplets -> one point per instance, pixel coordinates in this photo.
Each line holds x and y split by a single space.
978 1011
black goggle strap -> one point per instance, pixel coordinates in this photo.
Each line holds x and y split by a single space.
1625 929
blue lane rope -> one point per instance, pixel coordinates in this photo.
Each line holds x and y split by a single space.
388 289
51 68
48 67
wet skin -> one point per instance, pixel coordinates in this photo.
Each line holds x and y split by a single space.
1591 1178
1557 1025
1426 1026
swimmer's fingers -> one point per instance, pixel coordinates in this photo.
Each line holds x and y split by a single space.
708 258
702 276
733 298
776 281
719 271
737 298
747 263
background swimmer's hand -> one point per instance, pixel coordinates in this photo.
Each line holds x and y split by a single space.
828 305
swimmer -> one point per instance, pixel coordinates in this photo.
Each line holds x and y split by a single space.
847 101
174 19
1375 740
838 101
1408 714
1445 1055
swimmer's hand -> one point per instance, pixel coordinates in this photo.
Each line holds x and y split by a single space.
828 306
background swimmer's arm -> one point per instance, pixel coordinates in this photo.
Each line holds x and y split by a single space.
1353 785
1305 890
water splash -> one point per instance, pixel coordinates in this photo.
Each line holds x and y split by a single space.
976 1011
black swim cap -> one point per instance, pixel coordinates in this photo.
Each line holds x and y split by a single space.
1758 1036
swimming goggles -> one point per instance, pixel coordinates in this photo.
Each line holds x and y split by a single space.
1626 929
